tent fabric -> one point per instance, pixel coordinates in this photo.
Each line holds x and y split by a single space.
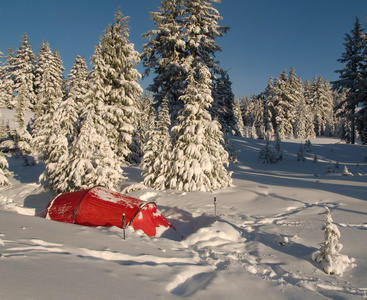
102 207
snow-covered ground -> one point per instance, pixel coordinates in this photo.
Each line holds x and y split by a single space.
234 256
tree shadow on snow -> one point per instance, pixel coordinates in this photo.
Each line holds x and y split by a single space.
292 248
23 173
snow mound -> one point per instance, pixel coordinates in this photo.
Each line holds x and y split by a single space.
220 236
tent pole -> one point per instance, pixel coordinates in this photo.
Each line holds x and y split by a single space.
123 224
215 208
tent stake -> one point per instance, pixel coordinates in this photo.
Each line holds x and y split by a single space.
215 208
123 224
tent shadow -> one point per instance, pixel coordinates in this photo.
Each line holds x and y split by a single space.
184 222
38 201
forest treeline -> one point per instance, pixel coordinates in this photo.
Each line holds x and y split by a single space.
87 126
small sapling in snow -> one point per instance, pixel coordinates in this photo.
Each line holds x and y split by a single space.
328 254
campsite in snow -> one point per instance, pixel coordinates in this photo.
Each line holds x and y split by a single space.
260 245
180 190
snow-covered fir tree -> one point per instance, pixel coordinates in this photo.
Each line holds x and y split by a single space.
353 75
184 29
22 71
267 154
278 151
343 124
22 137
300 154
65 128
163 54
157 151
308 146
271 155
120 81
181 51
92 160
253 133
328 255
198 157
4 170
304 121
223 104
7 83
269 110
294 93
322 106
78 83
49 90
146 118
44 79
4 132
254 116
201 28
54 176
239 126
283 107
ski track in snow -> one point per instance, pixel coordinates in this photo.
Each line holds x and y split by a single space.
251 258
34 246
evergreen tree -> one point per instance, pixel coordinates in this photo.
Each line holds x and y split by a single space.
304 124
157 150
300 155
283 108
254 116
78 83
321 98
185 30
200 27
239 126
7 83
146 118
269 120
223 104
22 137
164 54
49 84
92 160
65 129
271 155
4 172
198 158
22 71
328 254
278 151
120 81
352 77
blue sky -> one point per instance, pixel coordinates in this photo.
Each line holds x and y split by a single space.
266 36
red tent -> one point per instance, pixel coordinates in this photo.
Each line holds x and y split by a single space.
101 207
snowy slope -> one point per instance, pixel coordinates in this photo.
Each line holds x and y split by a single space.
237 257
